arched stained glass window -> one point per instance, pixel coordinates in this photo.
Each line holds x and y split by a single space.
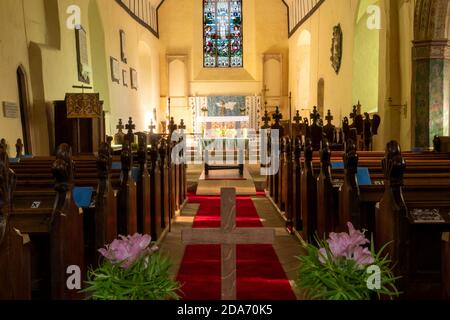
222 32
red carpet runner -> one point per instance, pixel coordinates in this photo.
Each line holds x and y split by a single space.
260 275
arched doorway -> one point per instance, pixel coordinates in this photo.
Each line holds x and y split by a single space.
321 96
24 109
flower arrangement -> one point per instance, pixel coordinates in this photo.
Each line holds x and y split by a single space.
343 268
132 270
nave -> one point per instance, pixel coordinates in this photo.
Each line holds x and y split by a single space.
264 272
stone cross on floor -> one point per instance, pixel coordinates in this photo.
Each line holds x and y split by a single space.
228 236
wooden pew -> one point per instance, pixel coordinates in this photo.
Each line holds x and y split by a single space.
446 264
282 176
105 201
287 183
143 188
65 228
417 247
15 273
162 176
349 192
37 194
155 194
55 225
296 209
326 199
308 194
126 197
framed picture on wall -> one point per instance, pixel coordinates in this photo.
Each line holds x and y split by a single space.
115 70
125 77
82 55
134 79
123 51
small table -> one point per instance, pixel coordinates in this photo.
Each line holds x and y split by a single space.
224 144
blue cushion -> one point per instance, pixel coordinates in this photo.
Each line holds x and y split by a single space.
337 165
28 156
363 176
135 173
82 196
14 160
116 166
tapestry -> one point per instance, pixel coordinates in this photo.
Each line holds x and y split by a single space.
229 106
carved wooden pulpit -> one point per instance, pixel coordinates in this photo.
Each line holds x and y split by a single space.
80 122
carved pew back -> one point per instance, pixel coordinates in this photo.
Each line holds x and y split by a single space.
106 200
126 198
143 188
417 245
15 273
309 195
66 228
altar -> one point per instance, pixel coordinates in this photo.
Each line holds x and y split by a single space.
223 124
225 112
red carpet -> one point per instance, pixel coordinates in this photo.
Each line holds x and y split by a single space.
260 275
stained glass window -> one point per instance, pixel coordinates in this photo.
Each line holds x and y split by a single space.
222 32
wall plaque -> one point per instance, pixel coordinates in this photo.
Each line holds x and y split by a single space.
134 79
336 48
115 70
82 55
10 110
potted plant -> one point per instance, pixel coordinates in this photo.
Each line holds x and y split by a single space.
132 269
344 268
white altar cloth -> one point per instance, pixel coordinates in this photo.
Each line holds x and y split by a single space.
223 119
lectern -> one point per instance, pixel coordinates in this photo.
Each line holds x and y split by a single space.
80 122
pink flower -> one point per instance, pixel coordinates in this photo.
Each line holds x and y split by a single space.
349 246
362 256
126 250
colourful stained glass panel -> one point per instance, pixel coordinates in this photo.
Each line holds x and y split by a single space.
222 34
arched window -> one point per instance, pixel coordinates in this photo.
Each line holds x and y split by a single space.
222 33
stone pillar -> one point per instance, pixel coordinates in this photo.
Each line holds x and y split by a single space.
431 71
431 90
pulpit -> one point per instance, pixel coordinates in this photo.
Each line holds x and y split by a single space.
80 122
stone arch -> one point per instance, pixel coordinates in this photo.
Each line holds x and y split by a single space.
431 20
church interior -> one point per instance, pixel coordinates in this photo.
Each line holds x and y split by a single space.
244 149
